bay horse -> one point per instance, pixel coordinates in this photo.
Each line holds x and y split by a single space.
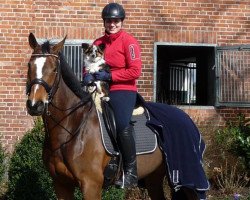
73 151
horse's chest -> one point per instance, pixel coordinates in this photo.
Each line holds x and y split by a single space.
56 165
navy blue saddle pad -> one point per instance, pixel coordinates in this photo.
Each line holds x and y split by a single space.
146 141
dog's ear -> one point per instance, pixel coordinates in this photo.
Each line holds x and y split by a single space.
102 46
85 46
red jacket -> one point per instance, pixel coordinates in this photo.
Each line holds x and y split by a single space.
123 55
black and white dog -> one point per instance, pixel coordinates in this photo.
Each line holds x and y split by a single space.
93 58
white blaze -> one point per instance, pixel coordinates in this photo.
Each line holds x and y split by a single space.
39 62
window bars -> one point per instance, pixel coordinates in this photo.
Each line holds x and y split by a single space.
73 54
233 76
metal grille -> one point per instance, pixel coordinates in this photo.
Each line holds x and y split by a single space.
72 52
182 84
177 84
233 75
73 55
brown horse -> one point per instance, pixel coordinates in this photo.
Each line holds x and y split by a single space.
73 150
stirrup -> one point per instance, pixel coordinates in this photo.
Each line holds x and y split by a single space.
127 180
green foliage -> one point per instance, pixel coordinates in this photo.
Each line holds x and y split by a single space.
236 138
28 178
3 170
2 164
113 194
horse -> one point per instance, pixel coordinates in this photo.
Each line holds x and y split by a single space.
73 151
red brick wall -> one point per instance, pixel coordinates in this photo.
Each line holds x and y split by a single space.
189 21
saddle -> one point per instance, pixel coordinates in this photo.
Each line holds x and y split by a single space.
145 140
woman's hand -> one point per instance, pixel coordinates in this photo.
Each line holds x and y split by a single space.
102 75
88 79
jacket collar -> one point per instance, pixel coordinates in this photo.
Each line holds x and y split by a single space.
112 37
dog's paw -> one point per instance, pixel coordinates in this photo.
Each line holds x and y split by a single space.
105 98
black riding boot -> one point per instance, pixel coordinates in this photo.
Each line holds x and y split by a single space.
126 143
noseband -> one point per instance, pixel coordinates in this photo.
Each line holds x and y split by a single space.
51 90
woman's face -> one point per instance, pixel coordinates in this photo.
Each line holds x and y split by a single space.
112 25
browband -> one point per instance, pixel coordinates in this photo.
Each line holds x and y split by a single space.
46 54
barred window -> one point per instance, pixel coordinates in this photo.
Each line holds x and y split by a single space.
72 51
202 75
184 75
73 54
233 76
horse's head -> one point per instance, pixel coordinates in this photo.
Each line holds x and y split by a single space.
43 74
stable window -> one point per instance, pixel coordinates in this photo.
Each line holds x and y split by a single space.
72 51
202 75
183 74
233 76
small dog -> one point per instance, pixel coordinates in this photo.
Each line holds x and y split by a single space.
93 57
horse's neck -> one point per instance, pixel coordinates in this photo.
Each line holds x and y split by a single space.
65 95
64 106
66 117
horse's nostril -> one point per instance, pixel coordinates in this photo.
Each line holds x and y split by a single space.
40 106
36 109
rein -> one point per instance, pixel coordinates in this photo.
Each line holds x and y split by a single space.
57 123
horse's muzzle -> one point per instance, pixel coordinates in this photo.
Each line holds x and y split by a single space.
37 109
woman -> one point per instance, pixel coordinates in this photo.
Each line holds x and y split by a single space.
122 54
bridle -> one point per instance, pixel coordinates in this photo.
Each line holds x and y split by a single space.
51 90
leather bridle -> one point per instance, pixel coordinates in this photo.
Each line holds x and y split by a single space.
51 90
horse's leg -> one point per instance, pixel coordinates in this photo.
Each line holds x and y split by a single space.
191 194
91 186
185 194
64 191
154 183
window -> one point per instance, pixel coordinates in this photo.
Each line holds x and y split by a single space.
73 53
202 75
184 74
182 83
233 76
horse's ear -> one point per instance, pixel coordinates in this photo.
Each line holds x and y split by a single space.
85 46
32 41
102 46
58 47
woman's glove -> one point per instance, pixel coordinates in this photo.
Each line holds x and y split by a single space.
88 79
102 75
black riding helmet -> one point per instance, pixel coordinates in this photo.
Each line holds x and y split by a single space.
113 11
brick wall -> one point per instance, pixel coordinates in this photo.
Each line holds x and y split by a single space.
186 21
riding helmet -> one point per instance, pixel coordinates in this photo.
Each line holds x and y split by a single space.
113 11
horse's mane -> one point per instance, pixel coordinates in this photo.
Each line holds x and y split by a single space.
71 80
68 75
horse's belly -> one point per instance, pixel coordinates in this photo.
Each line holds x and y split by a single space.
148 163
